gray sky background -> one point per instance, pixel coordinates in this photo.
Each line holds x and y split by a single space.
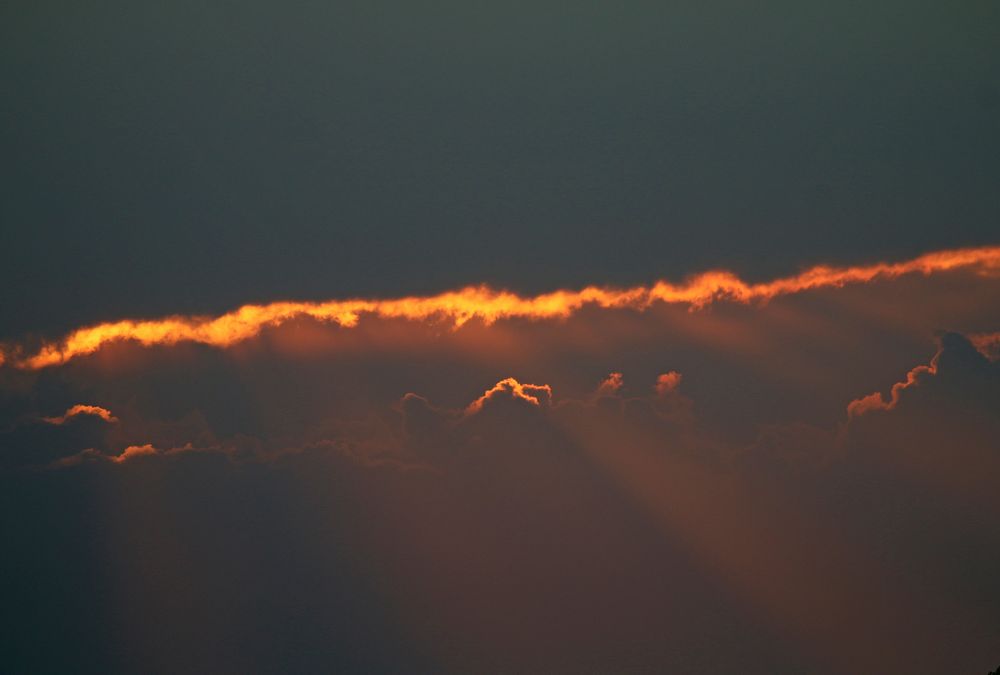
192 156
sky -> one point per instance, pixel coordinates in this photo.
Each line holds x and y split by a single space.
500 337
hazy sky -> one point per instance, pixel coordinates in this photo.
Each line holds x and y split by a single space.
191 156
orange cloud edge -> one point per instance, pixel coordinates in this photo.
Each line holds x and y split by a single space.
486 304
82 409
535 395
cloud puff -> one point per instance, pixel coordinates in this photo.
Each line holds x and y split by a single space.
667 383
610 385
129 453
509 389
875 401
81 409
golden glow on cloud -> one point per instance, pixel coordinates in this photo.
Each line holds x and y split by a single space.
611 384
511 388
876 401
129 453
81 409
668 382
988 344
135 451
485 304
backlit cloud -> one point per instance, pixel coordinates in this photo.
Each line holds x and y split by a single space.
610 385
658 467
81 409
875 400
668 382
988 344
487 305
129 453
511 389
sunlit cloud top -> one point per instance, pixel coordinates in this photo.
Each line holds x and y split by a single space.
485 304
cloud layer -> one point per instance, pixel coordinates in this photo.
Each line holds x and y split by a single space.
488 305
804 484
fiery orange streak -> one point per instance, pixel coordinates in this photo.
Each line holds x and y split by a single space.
487 304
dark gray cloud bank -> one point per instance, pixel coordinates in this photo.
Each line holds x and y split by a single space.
812 490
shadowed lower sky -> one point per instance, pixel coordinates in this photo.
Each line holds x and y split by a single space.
499 337
797 483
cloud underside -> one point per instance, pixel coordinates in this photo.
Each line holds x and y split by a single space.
468 505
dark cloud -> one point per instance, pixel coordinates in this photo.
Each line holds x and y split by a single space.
551 496
940 429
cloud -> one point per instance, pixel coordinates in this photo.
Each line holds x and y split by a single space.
966 366
875 400
509 389
540 505
488 305
129 453
667 383
610 385
81 409
988 344
640 473
133 451
940 425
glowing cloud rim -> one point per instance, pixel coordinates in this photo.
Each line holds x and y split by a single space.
82 409
486 304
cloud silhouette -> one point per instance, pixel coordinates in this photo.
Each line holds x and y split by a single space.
552 495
